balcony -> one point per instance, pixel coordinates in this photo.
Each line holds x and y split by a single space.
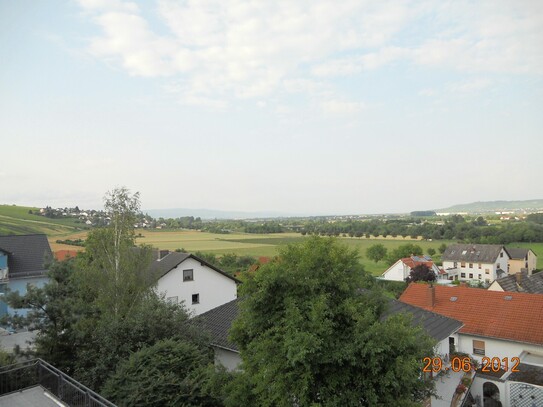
38 382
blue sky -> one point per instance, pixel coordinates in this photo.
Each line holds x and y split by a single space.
290 106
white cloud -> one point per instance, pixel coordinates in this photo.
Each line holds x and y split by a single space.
470 85
224 49
342 107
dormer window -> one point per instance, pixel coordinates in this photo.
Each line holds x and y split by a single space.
188 275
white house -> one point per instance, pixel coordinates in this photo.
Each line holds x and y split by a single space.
400 270
184 277
475 262
498 326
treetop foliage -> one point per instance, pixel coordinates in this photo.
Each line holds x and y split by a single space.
309 336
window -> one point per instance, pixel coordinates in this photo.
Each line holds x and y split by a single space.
501 254
498 266
471 265
196 298
487 271
480 276
172 300
188 275
480 266
470 275
463 264
462 275
455 265
478 347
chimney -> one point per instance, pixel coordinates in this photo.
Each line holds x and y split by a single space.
431 296
518 277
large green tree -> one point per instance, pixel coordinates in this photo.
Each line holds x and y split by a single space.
376 252
404 250
308 336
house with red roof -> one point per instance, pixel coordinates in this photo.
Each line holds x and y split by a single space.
500 329
400 270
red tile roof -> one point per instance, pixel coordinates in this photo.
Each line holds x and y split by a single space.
412 263
60 255
485 313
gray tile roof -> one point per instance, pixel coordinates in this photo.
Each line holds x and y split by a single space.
529 284
219 320
517 253
173 259
528 374
472 253
437 326
27 254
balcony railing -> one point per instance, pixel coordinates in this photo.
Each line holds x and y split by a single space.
37 372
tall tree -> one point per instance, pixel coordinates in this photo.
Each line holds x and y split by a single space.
309 337
116 272
376 252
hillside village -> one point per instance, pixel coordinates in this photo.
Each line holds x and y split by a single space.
488 341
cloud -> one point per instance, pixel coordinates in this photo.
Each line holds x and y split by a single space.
342 107
218 50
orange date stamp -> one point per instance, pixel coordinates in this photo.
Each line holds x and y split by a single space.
465 364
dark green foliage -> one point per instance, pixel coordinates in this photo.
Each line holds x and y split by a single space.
405 250
421 273
169 373
431 251
308 336
442 247
376 252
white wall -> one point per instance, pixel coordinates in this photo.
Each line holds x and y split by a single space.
229 359
214 289
495 347
396 272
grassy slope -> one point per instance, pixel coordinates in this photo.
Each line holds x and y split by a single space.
17 220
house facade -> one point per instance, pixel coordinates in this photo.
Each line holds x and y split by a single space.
475 262
400 270
200 286
521 259
23 262
499 326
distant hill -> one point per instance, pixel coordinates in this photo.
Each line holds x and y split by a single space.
495 206
212 214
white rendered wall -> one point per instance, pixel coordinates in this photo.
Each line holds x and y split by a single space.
214 289
396 272
495 347
229 359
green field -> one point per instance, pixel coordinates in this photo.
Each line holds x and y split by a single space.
264 245
17 220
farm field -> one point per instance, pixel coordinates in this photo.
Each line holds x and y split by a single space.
263 245
247 244
17 220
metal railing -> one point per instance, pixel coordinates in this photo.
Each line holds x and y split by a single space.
37 372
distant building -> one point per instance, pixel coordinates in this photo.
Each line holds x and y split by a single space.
400 270
519 282
521 259
475 262
23 261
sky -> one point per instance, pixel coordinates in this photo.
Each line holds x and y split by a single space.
302 107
